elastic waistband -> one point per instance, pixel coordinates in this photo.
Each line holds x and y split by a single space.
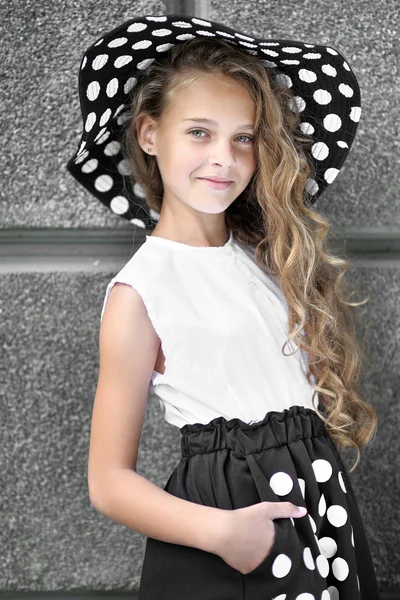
275 429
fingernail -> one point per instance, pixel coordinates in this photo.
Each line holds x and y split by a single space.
302 510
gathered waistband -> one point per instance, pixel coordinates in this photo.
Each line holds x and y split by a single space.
275 429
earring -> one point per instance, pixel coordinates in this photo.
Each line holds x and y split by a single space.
149 149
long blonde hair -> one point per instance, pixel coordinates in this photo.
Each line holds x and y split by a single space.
275 215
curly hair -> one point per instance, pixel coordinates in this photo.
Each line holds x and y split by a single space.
274 214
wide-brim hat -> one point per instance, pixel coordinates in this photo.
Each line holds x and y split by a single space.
326 93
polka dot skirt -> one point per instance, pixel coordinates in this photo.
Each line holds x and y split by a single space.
324 91
287 456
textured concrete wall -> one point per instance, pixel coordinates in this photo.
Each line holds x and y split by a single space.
51 537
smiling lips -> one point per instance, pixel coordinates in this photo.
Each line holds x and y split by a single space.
216 185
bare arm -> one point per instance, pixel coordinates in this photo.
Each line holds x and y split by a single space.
142 506
128 352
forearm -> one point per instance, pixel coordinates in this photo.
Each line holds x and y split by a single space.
134 501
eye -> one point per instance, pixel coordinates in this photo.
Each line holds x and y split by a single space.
202 130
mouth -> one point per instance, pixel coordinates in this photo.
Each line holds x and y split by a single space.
216 185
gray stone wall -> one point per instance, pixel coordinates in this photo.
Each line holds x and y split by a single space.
52 539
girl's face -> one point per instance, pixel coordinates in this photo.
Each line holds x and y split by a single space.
187 150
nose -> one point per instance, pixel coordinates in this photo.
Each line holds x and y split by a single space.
222 154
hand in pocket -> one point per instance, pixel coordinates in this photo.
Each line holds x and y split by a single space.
250 533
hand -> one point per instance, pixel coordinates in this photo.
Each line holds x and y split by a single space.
250 533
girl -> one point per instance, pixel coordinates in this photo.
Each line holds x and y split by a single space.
220 143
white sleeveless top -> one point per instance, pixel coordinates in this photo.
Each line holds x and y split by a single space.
222 322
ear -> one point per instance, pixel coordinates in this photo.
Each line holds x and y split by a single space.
144 130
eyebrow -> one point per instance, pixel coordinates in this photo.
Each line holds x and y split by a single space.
198 120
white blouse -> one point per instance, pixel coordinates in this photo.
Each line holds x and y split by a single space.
222 322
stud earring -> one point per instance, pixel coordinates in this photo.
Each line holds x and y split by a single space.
149 149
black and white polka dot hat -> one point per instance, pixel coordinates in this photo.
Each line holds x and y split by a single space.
325 89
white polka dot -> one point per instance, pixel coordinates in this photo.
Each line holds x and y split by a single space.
297 101
139 222
81 147
333 592
143 44
322 506
320 151
129 84
201 22
311 186
165 47
346 90
332 122
90 121
280 597
157 19
352 537
313 525
340 568
307 76
99 42
138 191
90 165
309 45
156 215
329 70
322 96
325 595
105 117
244 37
82 157
355 113
331 174
322 565
124 167
103 138
302 485
123 118
93 90
281 483
120 107
99 61
284 80
112 87
270 52
342 144
103 183
312 55
143 64
322 469
119 205
308 559
328 546
307 128
112 148
281 565
100 133
337 515
305 596
136 27
84 62
346 66
268 63
331 51
288 61
291 49
117 42
123 60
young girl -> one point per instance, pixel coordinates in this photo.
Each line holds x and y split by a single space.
220 142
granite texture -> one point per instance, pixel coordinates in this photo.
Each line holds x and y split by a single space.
42 45
51 536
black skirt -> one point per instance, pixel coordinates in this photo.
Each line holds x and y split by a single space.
288 456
